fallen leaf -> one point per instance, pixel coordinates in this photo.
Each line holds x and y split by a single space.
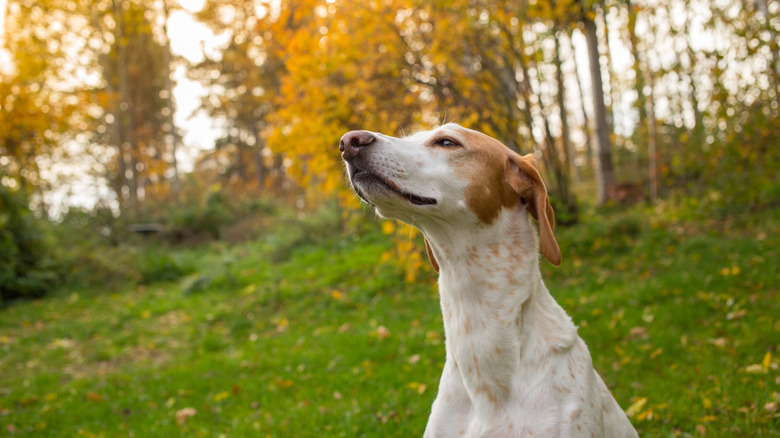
636 407
767 361
182 415
94 397
737 314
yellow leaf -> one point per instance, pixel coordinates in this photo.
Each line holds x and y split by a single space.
636 406
284 383
221 396
707 403
336 294
767 361
645 415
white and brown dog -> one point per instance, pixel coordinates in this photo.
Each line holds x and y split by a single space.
515 365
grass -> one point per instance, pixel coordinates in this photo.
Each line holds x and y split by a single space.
304 333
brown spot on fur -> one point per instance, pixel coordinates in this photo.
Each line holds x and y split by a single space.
482 162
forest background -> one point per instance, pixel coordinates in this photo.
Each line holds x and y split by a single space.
655 123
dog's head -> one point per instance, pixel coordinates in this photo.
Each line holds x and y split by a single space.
449 176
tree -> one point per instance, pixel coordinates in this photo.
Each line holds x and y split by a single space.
498 91
345 69
134 103
605 176
36 111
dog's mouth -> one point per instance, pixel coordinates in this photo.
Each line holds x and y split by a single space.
362 179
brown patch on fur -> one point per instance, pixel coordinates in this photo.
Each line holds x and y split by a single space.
482 163
525 180
500 178
430 256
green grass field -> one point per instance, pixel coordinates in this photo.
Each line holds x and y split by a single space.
298 336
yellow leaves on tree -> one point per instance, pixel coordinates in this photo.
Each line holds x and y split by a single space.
344 71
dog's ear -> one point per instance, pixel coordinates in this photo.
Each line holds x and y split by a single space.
524 178
430 256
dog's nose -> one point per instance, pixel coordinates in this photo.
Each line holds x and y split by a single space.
353 141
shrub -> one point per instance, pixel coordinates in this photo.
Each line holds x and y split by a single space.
197 222
158 266
26 270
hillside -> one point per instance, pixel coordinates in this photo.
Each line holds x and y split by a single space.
305 333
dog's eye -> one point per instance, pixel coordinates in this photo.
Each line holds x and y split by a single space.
446 143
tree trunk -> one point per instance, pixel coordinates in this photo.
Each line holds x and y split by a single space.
605 176
561 95
652 147
124 116
697 114
174 135
611 110
585 118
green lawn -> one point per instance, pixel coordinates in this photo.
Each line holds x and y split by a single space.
292 336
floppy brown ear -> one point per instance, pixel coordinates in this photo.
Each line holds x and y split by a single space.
523 176
430 256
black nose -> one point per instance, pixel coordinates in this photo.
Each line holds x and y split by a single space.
353 141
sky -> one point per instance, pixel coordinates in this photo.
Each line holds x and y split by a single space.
189 39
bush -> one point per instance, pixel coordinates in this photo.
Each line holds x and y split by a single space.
158 267
26 271
199 222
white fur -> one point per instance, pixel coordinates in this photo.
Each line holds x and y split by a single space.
515 365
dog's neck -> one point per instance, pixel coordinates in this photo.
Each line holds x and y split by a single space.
495 306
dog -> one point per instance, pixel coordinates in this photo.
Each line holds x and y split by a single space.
515 365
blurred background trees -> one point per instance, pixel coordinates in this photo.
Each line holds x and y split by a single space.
621 101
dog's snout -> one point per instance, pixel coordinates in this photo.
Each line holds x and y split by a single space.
352 142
